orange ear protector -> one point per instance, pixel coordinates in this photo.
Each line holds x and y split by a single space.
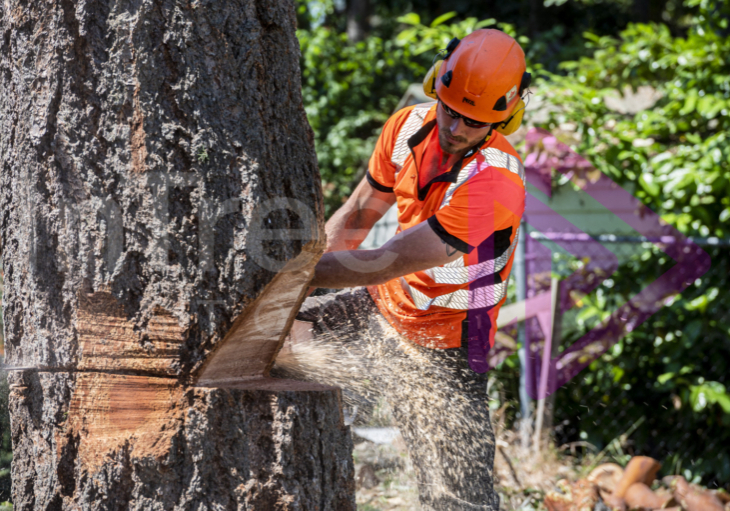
506 127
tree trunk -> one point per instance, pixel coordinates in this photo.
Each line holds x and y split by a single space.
161 214
357 19
648 11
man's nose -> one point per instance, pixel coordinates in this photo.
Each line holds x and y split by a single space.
457 126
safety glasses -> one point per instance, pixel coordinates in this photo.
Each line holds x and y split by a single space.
468 122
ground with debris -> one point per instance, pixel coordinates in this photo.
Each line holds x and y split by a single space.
386 480
529 481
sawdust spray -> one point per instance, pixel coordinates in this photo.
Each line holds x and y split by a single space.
450 440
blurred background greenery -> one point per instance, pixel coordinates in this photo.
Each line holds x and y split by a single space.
667 381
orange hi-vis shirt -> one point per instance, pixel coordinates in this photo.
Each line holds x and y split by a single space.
475 206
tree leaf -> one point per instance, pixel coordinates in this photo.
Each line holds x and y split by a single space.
689 104
646 180
664 378
485 23
410 19
444 17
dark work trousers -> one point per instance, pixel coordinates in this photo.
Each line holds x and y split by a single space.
438 402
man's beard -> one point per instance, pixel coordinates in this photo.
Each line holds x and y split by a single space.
448 147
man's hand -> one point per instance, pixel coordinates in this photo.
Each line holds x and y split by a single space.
415 249
350 225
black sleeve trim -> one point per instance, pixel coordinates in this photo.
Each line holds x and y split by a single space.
377 185
450 239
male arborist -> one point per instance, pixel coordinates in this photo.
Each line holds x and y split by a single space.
441 280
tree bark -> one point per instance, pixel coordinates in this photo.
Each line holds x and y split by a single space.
161 214
648 11
357 19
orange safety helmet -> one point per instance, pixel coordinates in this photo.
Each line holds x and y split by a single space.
482 76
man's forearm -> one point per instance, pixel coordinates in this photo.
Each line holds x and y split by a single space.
354 268
350 225
414 249
348 228
346 231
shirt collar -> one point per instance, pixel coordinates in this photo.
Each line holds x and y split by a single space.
420 136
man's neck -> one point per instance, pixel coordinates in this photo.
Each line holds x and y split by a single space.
450 159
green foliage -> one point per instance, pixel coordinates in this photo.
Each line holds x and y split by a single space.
675 156
349 91
708 394
436 35
673 370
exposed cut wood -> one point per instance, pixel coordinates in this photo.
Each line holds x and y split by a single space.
580 496
640 495
249 349
723 495
673 494
114 411
691 497
109 341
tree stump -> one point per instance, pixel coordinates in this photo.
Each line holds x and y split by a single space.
161 215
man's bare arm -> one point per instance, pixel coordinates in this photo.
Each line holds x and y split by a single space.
412 250
350 225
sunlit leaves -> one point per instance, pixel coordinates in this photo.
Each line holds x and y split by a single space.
677 149
708 394
348 91
422 38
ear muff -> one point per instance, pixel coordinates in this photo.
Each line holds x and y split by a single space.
513 123
429 82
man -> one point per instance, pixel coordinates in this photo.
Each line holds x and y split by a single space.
427 301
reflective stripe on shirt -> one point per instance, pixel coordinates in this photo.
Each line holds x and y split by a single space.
411 126
461 299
